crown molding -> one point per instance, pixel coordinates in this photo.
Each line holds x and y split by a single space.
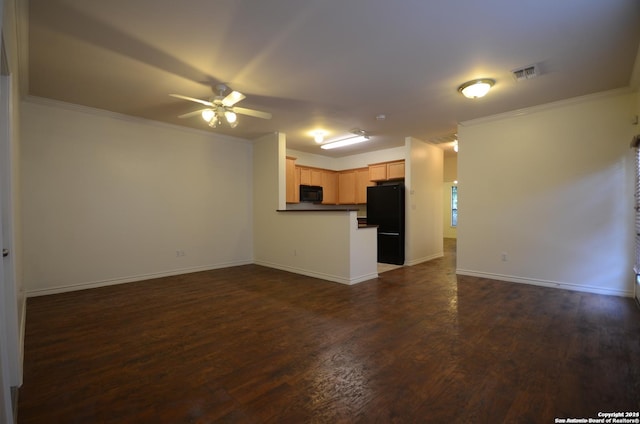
128 118
548 106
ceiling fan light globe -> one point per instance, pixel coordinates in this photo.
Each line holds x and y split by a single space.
231 117
213 123
207 115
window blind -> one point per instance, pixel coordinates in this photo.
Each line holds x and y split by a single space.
635 143
637 207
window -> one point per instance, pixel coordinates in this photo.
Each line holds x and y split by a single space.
454 206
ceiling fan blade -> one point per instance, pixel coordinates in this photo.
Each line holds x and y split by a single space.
191 99
232 98
252 112
190 114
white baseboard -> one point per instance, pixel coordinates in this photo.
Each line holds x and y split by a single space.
546 283
320 275
130 279
424 259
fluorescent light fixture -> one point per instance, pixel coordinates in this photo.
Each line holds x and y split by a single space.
358 137
476 88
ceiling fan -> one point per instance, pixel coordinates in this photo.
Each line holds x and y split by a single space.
221 107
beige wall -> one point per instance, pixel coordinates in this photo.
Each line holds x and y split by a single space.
110 199
423 233
450 168
348 162
552 189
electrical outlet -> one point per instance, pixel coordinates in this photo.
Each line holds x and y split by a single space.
504 256
180 253
295 252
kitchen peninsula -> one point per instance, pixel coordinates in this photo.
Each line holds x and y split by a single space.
325 244
334 242
329 244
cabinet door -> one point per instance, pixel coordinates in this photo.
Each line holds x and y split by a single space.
316 177
305 176
395 170
378 172
347 187
329 187
362 182
292 187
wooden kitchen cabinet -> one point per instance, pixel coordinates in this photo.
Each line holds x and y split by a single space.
378 172
316 177
352 186
329 187
387 171
292 186
395 170
362 182
347 187
305 175
310 176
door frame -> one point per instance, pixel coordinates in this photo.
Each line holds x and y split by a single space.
10 351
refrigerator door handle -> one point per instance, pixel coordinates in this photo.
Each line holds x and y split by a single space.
388 234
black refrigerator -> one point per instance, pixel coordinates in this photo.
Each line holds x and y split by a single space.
385 208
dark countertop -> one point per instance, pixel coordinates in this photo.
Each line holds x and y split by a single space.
320 210
367 226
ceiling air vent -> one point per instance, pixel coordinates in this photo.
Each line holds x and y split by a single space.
444 139
528 72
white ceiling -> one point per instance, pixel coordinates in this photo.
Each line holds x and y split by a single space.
334 64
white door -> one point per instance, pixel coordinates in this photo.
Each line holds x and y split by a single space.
6 407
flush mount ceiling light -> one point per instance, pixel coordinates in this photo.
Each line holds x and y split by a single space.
476 88
357 136
318 135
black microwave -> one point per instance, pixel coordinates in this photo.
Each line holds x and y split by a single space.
309 193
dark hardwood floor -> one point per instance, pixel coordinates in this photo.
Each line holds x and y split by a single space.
255 345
